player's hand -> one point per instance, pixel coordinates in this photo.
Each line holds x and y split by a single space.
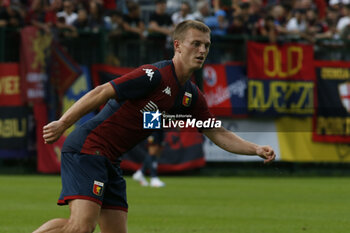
53 131
267 153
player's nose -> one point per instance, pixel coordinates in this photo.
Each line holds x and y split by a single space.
202 49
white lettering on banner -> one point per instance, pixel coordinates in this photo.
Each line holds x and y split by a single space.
35 93
221 94
36 85
36 77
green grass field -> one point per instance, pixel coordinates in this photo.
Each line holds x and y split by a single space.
196 204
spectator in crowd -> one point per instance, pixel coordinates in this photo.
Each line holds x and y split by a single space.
336 4
331 23
217 23
281 13
68 12
345 20
255 13
175 5
65 20
304 4
43 15
237 26
82 21
245 18
183 14
115 37
268 28
10 16
160 22
297 24
133 25
109 5
122 6
116 22
203 10
64 30
314 28
97 20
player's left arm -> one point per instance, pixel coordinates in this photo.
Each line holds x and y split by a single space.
231 142
228 140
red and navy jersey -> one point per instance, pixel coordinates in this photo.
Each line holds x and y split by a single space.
118 127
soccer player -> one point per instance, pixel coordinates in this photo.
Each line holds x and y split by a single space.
92 184
155 147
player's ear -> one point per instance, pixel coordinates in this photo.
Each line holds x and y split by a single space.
177 46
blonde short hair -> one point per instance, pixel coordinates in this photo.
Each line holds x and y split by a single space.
184 26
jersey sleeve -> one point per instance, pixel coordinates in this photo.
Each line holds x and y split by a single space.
200 110
136 84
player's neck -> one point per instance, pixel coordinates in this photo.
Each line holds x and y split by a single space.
182 73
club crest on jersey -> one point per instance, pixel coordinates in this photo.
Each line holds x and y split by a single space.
98 188
186 100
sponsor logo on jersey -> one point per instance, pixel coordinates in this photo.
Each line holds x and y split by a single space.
98 188
152 120
186 100
167 91
149 73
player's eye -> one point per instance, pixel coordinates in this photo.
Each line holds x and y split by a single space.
196 43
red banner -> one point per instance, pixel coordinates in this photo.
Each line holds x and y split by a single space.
48 155
10 94
280 79
225 88
288 61
34 53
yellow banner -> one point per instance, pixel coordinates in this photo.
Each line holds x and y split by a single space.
296 145
280 97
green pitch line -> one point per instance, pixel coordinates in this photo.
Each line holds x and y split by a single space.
196 204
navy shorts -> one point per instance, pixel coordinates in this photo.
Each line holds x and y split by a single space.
94 178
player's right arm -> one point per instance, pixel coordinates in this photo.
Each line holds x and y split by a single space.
89 102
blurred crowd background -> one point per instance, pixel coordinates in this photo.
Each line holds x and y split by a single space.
309 19
134 32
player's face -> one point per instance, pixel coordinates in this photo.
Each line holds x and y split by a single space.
195 48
